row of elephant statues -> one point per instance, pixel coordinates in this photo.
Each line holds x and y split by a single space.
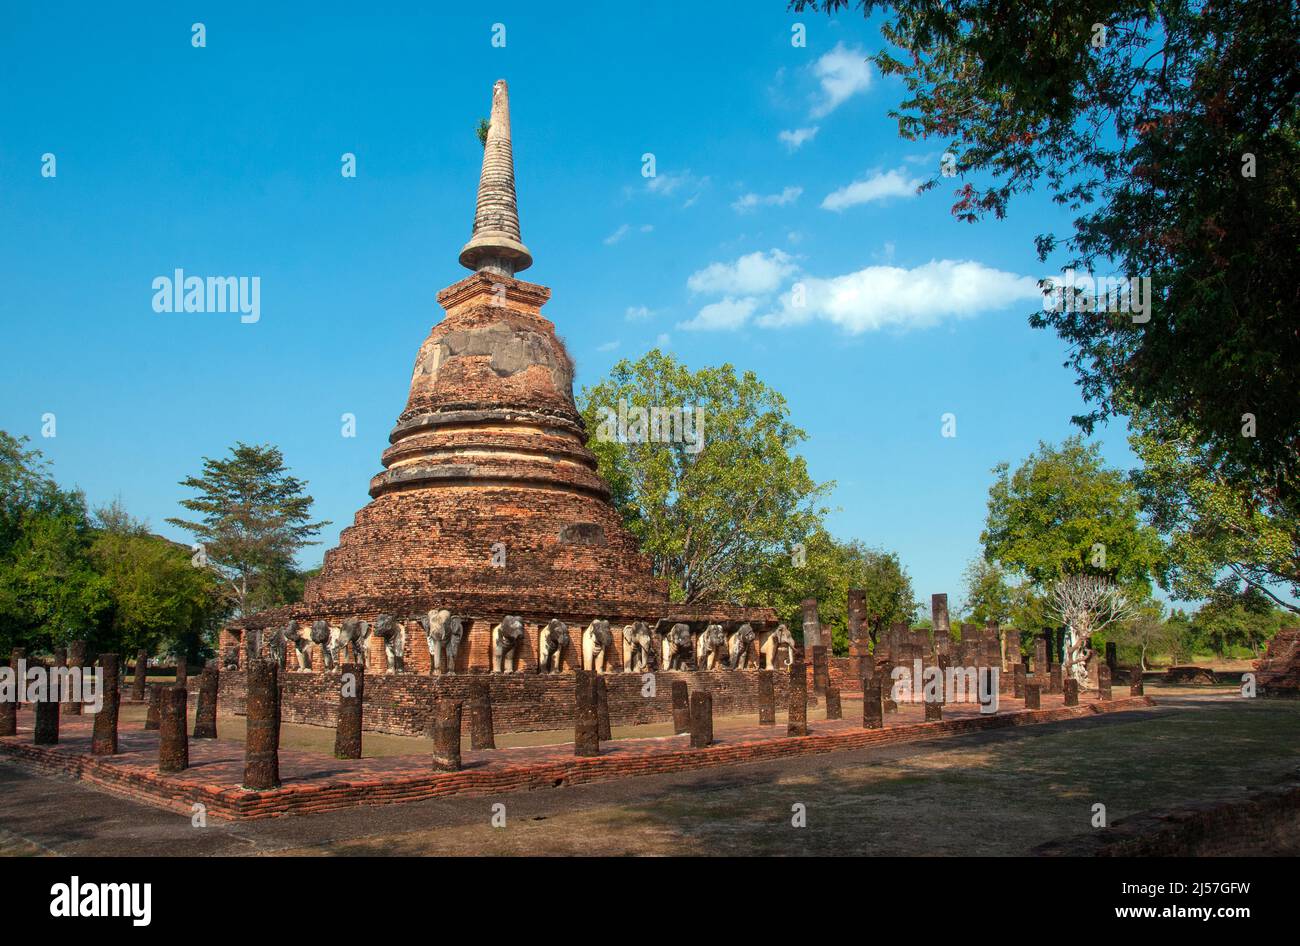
678 648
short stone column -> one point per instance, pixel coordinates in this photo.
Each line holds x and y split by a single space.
1054 679
1103 682
445 730
103 740
205 711
602 709
182 671
352 695
1071 690
47 723
1033 696
766 699
820 670
9 710
833 708
1135 683
262 746
873 715
482 733
141 672
681 708
76 660
152 715
173 743
798 700
701 719
1018 681
934 706
1040 657
886 680
586 717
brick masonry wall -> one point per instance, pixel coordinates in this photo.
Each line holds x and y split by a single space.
521 702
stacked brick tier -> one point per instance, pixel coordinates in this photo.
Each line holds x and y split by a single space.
1277 673
490 503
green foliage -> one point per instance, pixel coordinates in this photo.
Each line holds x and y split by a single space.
254 519
708 516
1064 513
482 131
1223 537
989 595
1175 141
1246 620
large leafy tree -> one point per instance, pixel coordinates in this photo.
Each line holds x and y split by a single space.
1223 536
1172 136
254 518
717 502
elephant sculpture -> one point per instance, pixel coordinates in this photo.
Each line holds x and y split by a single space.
778 640
301 644
550 647
706 649
637 647
443 630
277 639
353 633
322 633
393 634
738 647
507 642
597 640
677 647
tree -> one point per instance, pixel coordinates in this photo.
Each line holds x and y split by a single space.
703 470
1170 131
254 519
1063 512
159 598
989 596
1087 604
1147 632
826 568
1223 536
1230 620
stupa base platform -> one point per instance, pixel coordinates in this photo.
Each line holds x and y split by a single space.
319 783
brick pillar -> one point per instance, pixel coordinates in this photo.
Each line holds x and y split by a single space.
47 723
1033 696
1018 681
798 709
701 719
9 711
1135 682
1040 657
1071 689
182 672
681 708
481 730
205 711
446 735
766 699
872 705
886 680
586 720
75 661
857 614
1054 677
141 670
173 744
1011 657
262 747
103 739
152 715
347 729
602 709
939 616
1091 665
821 670
812 625
1103 682
833 708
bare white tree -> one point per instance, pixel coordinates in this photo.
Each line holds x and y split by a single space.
1085 604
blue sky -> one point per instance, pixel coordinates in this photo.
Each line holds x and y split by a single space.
225 160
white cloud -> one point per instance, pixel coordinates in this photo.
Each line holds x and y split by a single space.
752 275
607 346
637 313
664 340
753 201
728 314
617 235
881 297
843 73
794 138
685 183
878 186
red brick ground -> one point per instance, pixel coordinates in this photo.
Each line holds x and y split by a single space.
314 782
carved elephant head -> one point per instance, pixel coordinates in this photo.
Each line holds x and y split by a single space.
385 627
320 632
558 632
601 635
511 630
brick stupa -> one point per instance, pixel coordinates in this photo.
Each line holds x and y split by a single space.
489 502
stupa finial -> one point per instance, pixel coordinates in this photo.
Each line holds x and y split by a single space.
496 244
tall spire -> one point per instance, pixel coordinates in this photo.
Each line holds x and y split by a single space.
496 244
